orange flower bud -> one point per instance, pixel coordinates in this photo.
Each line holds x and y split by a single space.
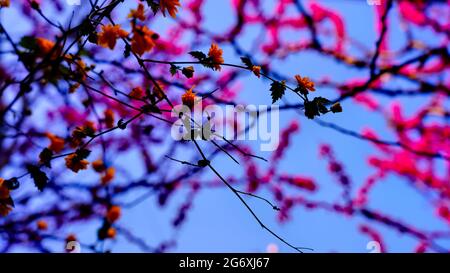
111 233
137 93
42 225
109 175
215 53
109 118
305 82
137 13
143 40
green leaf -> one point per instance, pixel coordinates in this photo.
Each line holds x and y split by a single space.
63 70
316 107
93 38
277 90
322 109
198 55
39 177
321 102
88 131
208 63
28 59
82 154
301 90
248 63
